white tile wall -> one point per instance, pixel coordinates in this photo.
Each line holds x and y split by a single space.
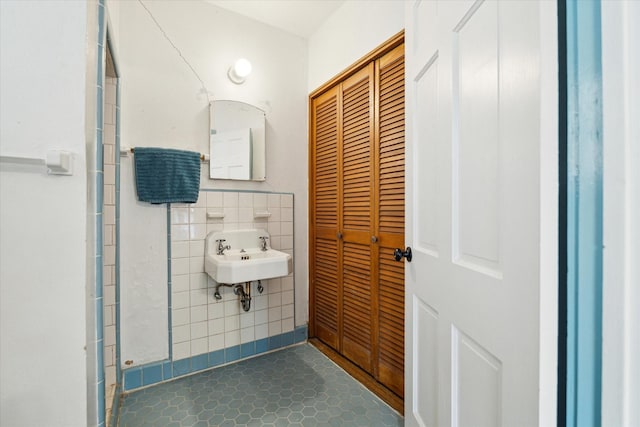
109 240
202 324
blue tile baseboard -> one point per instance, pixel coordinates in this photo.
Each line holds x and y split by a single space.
154 373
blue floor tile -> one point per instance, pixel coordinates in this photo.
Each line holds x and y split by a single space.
297 386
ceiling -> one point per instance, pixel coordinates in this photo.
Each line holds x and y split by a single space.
300 17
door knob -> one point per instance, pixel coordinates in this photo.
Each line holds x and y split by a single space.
399 253
374 239
339 235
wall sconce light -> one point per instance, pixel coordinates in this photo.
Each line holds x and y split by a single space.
239 71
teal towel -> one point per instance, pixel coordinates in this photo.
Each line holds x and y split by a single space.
167 176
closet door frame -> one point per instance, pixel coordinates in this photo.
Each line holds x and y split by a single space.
334 83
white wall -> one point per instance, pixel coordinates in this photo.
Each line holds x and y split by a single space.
621 201
113 21
43 367
164 104
352 31
144 322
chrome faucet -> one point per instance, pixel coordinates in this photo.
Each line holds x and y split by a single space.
263 243
221 246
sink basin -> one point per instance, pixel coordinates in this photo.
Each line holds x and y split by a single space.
245 261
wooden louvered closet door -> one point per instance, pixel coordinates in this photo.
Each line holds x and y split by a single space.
327 289
357 218
390 219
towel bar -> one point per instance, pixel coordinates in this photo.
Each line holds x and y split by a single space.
125 151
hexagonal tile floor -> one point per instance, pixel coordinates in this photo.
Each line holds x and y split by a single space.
297 386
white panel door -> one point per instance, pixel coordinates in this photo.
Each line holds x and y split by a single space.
481 85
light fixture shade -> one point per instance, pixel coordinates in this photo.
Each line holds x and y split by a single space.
240 70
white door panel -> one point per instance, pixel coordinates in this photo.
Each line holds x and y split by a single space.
476 383
425 340
474 103
426 111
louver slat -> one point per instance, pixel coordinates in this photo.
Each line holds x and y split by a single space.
356 304
326 134
392 158
356 151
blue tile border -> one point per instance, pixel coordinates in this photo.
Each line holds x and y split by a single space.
275 342
231 354
248 349
115 405
287 338
100 356
153 373
132 378
102 409
167 371
117 237
199 362
262 345
181 367
99 238
216 358
169 285
300 334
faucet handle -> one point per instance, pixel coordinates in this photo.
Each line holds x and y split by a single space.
263 242
221 246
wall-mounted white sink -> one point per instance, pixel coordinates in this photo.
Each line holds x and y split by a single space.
243 260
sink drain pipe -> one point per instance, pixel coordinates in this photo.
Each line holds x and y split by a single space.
244 294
